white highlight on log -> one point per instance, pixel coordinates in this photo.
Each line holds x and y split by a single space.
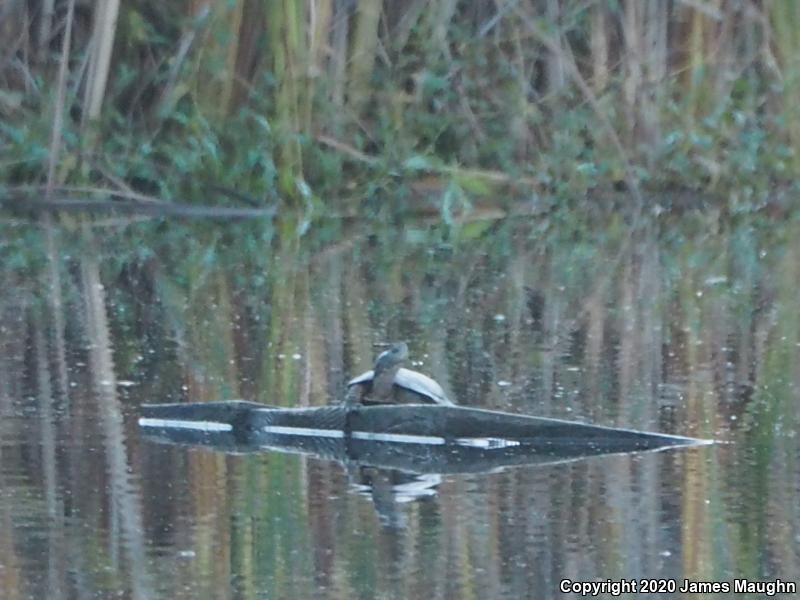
305 431
400 438
182 424
488 442
397 438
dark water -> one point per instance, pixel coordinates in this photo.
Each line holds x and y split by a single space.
687 326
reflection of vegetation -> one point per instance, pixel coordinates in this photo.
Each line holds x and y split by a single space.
300 101
242 294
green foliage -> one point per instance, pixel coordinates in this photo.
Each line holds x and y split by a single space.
217 98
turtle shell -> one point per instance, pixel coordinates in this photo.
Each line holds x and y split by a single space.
413 381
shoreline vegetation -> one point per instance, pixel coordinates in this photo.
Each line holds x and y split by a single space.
348 108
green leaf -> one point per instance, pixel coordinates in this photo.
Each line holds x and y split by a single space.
417 163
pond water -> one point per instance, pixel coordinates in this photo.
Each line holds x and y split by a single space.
686 325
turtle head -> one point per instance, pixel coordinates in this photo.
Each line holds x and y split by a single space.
391 358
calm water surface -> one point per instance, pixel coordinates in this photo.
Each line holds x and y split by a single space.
687 326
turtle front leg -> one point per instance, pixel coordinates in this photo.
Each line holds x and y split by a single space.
353 396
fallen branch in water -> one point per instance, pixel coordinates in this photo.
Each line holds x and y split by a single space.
135 205
486 175
347 149
78 189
